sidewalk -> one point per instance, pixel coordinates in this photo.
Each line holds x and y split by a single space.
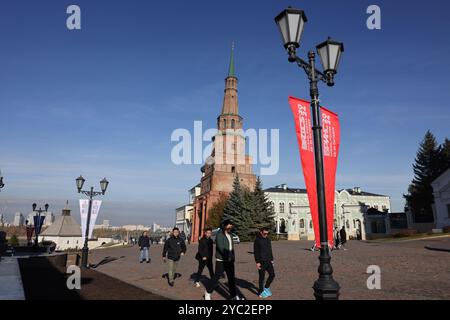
11 287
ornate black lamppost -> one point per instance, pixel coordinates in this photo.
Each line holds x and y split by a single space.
291 23
91 194
37 222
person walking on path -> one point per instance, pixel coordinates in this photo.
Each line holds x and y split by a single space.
343 237
204 256
337 240
224 261
174 248
262 250
144 246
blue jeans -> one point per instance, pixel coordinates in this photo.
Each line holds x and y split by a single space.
144 254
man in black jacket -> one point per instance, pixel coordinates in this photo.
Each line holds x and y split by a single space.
144 246
262 248
204 256
174 248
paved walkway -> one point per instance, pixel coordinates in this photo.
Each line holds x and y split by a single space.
10 280
408 270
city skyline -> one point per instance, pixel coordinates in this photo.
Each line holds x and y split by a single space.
103 101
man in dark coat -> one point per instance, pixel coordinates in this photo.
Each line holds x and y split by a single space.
262 249
343 237
204 255
174 248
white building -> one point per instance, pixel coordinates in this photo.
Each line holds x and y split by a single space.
362 213
441 192
66 233
48 221
3 221
183 214
135 227
18 219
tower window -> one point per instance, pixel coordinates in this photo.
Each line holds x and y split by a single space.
233 169
224 123
232 123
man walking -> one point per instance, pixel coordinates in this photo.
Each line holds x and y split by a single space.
262 249
224 260
174 248
343 237
204 256
144 245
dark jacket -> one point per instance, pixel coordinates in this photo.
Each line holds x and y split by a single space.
205 249
144 242
173 247
262 248
343 236
223 247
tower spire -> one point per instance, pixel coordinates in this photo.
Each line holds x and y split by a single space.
231 71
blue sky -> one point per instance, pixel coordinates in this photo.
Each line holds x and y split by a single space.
104 100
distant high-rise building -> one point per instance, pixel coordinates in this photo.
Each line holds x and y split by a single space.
106 224
18 219
2 220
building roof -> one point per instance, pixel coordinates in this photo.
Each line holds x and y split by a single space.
285 189
64 226
362 193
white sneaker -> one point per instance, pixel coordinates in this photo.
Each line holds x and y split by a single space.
207 295
237 298
197 284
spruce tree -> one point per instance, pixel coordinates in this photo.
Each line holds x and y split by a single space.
426 168
238 209
444 156
262 211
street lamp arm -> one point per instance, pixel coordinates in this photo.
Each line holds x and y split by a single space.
307 68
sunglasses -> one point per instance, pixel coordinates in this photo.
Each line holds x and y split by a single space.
265 233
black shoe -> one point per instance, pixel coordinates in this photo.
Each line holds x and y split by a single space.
141 261
171 283
148 261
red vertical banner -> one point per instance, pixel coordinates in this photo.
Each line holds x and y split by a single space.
330 143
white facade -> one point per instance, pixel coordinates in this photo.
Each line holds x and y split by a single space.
65 243
293 215
183 214
183 218
441 193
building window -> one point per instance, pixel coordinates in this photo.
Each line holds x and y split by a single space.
302 223
232 123
375 206
310 224
224 123
233 169
347 223
281 207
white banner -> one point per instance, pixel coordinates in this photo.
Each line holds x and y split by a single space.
84 207
94 213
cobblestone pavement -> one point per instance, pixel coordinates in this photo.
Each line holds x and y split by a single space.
408 270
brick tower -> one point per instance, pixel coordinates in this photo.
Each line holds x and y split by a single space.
228 157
